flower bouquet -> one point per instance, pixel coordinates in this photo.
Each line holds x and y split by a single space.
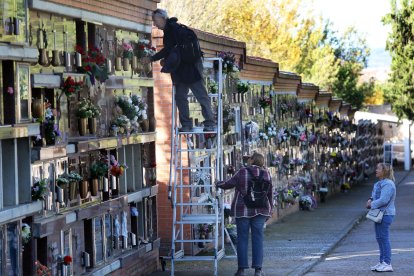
70 87
40 189
242 87
42 270
145 49
51 130
229 62
93 65
26 233
265 101
116 169
212 86
128 51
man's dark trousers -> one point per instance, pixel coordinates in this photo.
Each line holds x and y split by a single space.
200 92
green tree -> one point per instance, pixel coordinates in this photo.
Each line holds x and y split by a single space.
400 44
352 53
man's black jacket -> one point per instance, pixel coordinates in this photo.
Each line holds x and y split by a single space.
186 72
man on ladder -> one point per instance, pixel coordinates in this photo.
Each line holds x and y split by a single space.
182 57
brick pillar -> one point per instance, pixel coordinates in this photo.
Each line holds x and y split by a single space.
162 110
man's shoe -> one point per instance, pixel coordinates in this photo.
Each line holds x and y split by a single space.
385 268
240 272
185 129
209 128
373 268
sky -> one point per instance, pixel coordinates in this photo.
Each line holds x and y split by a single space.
366 16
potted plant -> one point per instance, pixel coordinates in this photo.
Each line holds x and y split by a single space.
242 86
116 170
26 233
83 113
265 101
74 179
98 170
71 87
51 130
145 49
127 53
62 188
93 65
95 113
40 189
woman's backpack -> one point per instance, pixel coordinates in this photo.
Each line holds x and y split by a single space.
257 189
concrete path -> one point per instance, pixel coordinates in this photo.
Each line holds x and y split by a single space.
294 245
359 250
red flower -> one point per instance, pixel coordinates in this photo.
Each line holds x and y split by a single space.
88 68
67 260
141 47
79 49
71 89
153 164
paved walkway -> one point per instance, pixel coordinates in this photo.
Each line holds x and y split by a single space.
359 250
294 245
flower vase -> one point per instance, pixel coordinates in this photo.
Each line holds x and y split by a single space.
147 68
37 108
152 124
92 125
140 68
83 188
105 186
118 63
95 187
73 190
82 126
125 64
60 194
134 63
144 125
113 183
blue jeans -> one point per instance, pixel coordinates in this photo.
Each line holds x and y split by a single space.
256 225
382 233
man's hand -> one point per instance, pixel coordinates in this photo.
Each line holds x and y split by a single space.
368 205
145 60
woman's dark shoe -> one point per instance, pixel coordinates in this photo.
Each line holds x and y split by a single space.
258 272
240 272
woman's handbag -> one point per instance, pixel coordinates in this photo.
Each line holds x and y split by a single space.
375 215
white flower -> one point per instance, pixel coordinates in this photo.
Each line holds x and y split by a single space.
144 116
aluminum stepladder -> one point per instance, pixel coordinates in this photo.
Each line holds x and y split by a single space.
188 198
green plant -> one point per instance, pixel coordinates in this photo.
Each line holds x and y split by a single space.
86 109
212 86
99 169
40 189
62 180
242 87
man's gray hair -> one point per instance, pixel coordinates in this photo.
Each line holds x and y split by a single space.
160 12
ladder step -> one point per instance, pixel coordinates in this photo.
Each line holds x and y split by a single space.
197 150
220 255
209 240
196 204
196 131
194 186
195 168
199 219
195 258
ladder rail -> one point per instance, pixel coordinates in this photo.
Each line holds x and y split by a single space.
172 162
188 212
